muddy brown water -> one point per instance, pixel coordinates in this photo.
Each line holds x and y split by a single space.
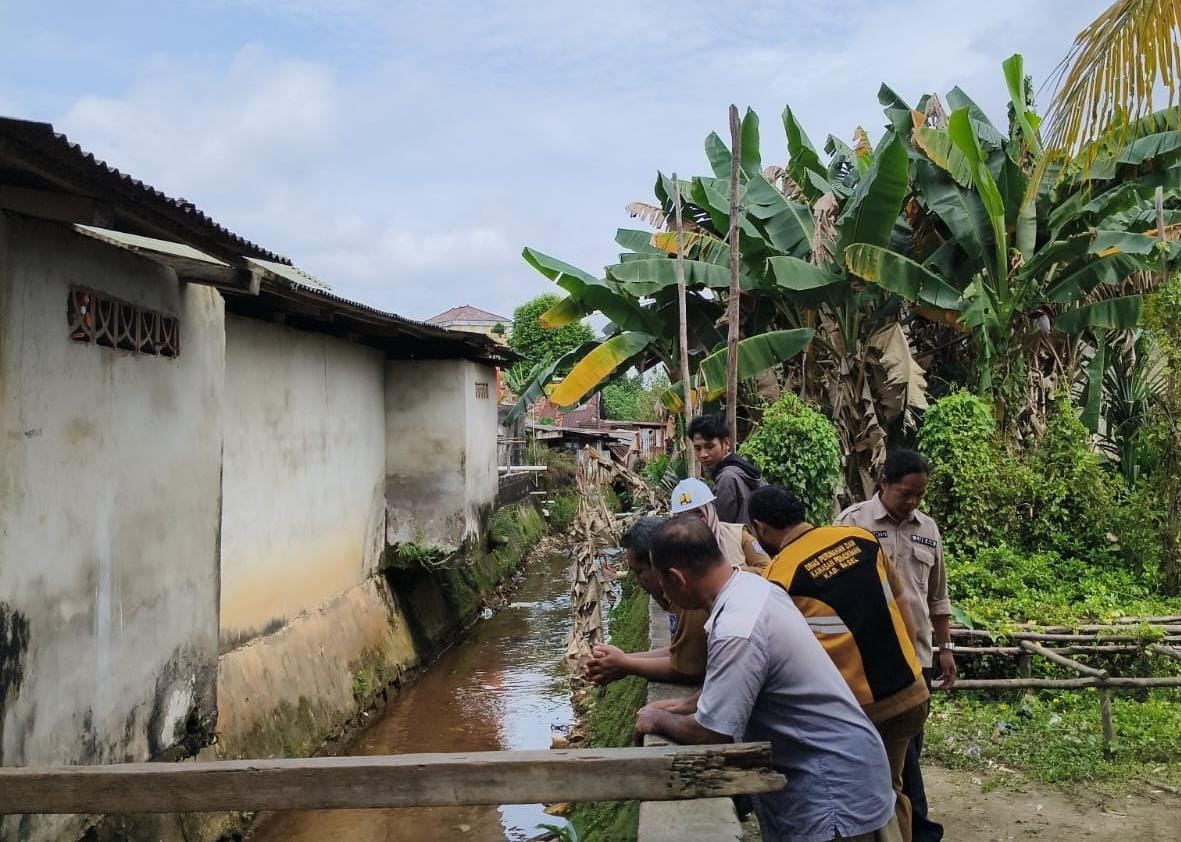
503 686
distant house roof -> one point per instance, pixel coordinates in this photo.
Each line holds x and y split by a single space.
45 176
466 313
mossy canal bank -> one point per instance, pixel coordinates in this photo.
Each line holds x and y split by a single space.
502 685
610 716
310 687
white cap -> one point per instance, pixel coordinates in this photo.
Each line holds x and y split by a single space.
690 494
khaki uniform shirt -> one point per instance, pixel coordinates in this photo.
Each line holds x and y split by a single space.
741 550
916 550
687 648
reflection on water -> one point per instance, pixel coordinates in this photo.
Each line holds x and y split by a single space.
503 687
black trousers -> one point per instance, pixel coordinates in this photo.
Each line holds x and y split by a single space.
922 828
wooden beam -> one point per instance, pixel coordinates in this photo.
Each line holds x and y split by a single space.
667 773
56 207
1063 661
1060 683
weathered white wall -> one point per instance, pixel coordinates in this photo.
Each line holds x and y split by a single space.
481 475
303 473
440 451
109 506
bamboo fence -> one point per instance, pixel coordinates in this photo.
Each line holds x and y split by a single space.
1058 645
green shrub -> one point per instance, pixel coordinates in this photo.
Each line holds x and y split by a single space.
1071 500
1000 585
562 510
797 446
970 488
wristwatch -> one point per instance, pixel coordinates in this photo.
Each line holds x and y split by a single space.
947 647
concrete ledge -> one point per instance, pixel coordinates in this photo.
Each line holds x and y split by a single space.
711 819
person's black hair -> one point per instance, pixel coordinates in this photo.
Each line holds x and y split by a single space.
903 463
638 538
776 506
708 427
686 543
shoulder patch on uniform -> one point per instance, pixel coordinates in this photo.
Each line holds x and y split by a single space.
880 533
926 542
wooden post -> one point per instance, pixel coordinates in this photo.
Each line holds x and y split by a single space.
683 329
666 773
1171 567
732 312
1105 719
1024 665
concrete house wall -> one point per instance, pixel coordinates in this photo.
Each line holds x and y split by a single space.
303 473
303 611
195 543
109 514
440 451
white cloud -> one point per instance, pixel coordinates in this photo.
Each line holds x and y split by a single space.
186 128
409 162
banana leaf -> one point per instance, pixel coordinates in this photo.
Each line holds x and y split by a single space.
637 241
644 277
869 214
981 125
799 275
901 275
937 146
719 155
1120 313
748 137
596 366
1093 391
787 226
536 389
963 134
803 163
588 295
1075 283
755 355
1152 146
960 209
1121 242
1014 68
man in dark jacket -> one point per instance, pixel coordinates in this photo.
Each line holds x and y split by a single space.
734 478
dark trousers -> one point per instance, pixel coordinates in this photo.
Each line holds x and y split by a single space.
922 828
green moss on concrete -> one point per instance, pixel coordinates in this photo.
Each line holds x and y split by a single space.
290 731
611 717
440 600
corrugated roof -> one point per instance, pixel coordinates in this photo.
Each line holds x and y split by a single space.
33 155
51 153
466 313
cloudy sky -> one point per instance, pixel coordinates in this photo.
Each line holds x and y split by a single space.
405 152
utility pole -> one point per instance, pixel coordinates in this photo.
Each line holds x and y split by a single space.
732 310
683 326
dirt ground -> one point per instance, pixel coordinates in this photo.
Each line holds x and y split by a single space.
1019 809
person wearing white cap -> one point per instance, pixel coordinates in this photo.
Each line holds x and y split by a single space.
738 545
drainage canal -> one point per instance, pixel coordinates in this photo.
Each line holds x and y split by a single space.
504 686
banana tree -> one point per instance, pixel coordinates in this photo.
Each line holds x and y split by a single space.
1012 256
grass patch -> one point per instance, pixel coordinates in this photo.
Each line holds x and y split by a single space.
611 718
1054 737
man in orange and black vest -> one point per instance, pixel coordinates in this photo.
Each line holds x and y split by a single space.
846 588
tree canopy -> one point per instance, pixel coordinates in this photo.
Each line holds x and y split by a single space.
537 343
